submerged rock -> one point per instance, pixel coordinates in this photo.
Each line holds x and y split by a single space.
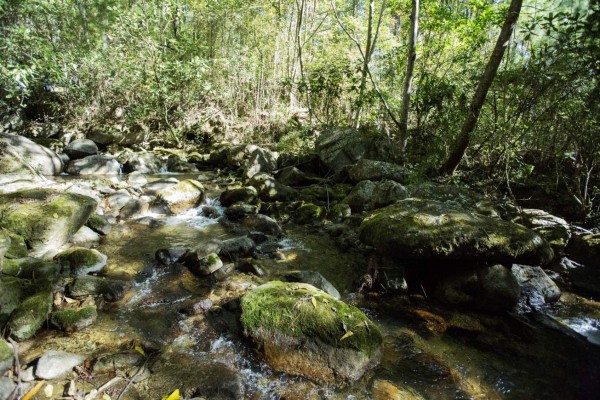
55 364
181 197
30 315
81 261
19 155
301 330
420 229
46 219
492 288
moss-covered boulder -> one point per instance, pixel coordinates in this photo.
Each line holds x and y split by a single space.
99 223
11 291
262 223
203 266
4 245
301 330
17 247
46 219
71 320
270 189
6 356
88 285
387 192
181 197
309 213
373 170
585 249
359 198
453 195
81 261
247 194
30 315
554 229
31 268
424 229
20 155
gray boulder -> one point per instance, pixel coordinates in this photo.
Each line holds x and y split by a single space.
19 155
145 163
373 170
181 197
87 285
46 219
535 284
81 148
554 229
359 198
420 229
94 165
261 160
341 147
585 249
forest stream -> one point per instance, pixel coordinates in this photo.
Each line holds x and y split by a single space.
174 330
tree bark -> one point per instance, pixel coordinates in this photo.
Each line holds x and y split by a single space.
485 82
410 66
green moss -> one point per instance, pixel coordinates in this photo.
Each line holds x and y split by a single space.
18 247
30 268
81 261
71 320
309 213
6 351
300 310
30 315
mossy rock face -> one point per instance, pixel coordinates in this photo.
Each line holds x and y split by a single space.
11 291
17 247
6 356
181 197
453 195
81 261
309 213
99 223
73 320
269 189
87 285
246 194
30 315
554 229
585 249
387 192
373 170
46 219
4 245
423 229
301 330
31 268
359 198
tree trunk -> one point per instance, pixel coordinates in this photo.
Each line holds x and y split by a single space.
410 66
365 67
485 82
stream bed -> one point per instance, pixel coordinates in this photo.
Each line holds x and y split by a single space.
429 352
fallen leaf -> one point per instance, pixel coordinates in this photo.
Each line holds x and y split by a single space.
139 349
314 301
33 390
55 215
173 396
106 397
347 335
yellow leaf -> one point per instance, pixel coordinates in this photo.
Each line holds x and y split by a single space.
347 335
173 396
314 301
55 215
140 350
106 397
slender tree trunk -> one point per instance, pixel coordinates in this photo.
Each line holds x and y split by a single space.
365 68
410 66
485 82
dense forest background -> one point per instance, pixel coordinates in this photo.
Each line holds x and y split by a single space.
279 72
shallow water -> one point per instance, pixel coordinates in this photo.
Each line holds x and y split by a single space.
473 357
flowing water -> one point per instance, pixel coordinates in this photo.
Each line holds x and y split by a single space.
464 355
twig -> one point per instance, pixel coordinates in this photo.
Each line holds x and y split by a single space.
95 392
130 381
15 393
